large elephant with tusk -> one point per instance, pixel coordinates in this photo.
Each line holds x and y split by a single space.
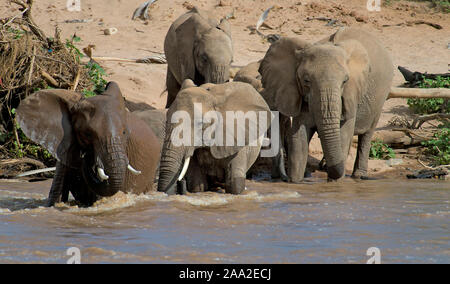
101 148
214 134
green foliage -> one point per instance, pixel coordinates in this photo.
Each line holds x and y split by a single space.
429 106
96 73
442 5
440 82
25 147
439 146
70 44
17 33
381 151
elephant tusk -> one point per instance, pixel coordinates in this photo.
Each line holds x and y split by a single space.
133 171
101 174
185 168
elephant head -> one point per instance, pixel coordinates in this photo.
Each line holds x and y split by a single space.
323 78
207 110
90 135
204 48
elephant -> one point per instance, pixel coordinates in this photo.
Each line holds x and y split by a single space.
199 48
250 74
100 148
336 87
208 160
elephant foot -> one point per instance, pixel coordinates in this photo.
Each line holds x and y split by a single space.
51 203
359 174
296 180
237 186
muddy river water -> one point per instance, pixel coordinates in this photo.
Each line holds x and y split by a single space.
316 222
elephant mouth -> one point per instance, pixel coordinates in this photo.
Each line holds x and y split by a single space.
90 169
199 78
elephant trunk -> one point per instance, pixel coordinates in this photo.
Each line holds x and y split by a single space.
219 74
115 167
171 167
106 168
328 123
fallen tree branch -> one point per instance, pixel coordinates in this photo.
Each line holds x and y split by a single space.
77 80
10 162
415 78
415 93
35 172
157 59
419 22
142 11
420 120
50 79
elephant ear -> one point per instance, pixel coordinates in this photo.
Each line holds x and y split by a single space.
358 63
45 118
235 98
187 34
279 76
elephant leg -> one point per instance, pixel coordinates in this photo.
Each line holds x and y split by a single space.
57 188
196 181
362 157
69 180
299 139
278 165
236 173
173 87
347 133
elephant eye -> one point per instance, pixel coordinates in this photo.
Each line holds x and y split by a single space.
204 58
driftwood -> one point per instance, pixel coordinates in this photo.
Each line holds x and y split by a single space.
419 22
415 78
9 162
142 11
420 120
415 93
157 59
271 38
401 138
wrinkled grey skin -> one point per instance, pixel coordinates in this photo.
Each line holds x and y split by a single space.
156 120
250 74
211 164
336 87
199 48
86 135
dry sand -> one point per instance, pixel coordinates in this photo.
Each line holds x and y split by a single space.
417 47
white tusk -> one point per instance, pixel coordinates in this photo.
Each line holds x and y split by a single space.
185 168
101 174
133 171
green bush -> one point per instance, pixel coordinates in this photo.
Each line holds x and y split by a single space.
429 106
24 147
381 151
96 73
439 146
